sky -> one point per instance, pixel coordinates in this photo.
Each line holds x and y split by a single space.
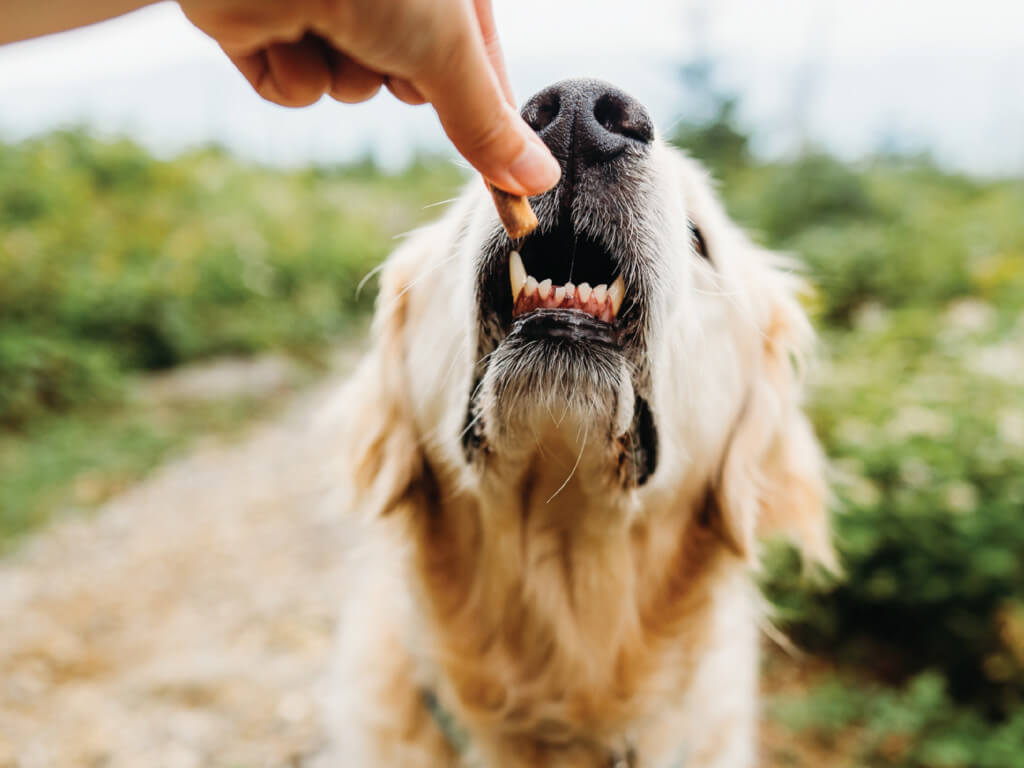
935 75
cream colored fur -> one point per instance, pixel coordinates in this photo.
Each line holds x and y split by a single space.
562 619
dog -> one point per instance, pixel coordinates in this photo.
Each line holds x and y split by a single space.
557 461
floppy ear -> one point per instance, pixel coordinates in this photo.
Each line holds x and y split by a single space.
379 444
772 478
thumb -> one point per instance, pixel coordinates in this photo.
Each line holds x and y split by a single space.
489 133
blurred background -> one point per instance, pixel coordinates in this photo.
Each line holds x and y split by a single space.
179 264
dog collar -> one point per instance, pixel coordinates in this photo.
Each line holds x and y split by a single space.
454 734
458 738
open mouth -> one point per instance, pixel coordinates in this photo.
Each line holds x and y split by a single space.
563 271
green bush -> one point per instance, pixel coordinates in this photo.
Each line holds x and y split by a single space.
115 261
43 374
719 143
816 190
916 726
921 413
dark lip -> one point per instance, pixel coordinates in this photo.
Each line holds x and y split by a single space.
569 324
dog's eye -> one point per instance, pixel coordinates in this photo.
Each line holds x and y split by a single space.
699 246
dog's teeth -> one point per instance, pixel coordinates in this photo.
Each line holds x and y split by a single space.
530 286
570 291
600 293
516 273
544 289
584 292
617 293
559 294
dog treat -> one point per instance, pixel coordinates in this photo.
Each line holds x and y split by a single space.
514 211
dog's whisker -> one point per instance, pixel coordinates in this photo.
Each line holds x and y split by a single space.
412 284
717 293
440 203
369 276
579 457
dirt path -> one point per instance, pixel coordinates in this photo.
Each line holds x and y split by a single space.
183 625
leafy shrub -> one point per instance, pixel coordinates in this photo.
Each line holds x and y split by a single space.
114 261
918 726
816 190
719 143
923 416
43 374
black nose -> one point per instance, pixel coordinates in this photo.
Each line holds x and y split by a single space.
587 122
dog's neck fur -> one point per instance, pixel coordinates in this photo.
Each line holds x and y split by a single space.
543 610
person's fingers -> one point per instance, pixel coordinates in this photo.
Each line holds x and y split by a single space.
291 74
465 91
351 82
492 45
405 91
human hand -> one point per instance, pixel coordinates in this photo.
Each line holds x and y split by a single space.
445 52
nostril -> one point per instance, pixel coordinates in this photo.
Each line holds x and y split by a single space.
543 110
623 116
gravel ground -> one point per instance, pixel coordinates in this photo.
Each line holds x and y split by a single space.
184 624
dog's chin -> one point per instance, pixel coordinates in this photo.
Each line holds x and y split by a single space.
557 374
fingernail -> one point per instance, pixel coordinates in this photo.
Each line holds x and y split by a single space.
535 168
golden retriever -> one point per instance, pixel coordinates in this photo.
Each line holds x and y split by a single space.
559 457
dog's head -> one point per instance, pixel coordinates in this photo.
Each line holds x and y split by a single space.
636 330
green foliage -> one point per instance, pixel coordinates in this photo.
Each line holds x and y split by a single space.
918 726
921 414
43 373
897 233
113 261
719 143
815 188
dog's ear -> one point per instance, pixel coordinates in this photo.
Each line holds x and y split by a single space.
772 478
379 443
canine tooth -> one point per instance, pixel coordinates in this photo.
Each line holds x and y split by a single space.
559 294
617 293
544 289
600 293
530 287
584 292
516 273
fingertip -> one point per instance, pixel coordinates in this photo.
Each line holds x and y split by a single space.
520 164
535 168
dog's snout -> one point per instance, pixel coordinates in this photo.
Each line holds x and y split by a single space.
587 122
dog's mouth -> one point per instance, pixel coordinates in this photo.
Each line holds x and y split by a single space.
560 284
556 271
563 312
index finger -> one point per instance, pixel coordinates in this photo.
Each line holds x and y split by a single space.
472 103
492 45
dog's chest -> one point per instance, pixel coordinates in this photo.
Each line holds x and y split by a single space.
577 649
